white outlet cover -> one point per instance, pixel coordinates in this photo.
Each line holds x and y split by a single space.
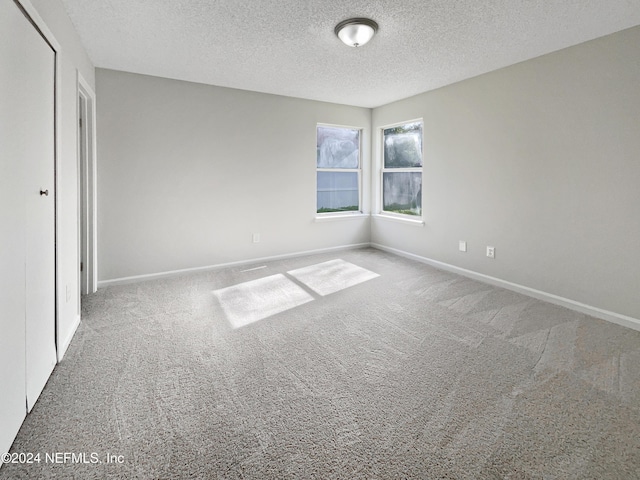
462 246
491 252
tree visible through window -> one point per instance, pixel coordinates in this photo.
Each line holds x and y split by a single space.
402 169
338 169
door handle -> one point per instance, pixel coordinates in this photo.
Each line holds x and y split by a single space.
44 192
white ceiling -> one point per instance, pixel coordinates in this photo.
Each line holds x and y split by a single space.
288 47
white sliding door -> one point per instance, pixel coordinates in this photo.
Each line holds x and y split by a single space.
27 217
12 237
37 87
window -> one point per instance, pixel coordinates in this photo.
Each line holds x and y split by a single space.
338 169
402 169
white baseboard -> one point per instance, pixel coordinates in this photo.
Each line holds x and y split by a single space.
609 316
153 276
62 348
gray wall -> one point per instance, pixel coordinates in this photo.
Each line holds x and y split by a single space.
542 161
187 172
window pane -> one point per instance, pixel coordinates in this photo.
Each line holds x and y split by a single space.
338 147
402 192
337 192
403 146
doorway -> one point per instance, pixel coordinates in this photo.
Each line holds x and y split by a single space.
87 242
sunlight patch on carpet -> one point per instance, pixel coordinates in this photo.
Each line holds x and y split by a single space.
332 276
255 300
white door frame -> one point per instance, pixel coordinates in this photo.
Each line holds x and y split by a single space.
87 200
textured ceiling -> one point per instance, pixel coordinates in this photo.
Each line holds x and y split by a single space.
288 47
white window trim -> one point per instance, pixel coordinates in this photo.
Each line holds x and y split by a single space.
328 217
349 213
402 217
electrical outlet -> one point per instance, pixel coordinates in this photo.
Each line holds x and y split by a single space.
462 246
491 252
256 238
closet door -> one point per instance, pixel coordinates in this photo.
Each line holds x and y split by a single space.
27 223
37 88
12 237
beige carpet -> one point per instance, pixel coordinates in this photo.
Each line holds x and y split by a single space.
410 373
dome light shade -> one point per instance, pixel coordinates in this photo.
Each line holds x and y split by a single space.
355 32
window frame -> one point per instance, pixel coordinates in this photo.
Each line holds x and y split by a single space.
383 170
358 171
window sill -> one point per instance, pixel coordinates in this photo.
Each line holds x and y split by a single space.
329 217
407 221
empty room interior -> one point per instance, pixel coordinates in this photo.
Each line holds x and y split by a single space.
320 239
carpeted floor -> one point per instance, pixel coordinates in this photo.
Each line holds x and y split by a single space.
397 370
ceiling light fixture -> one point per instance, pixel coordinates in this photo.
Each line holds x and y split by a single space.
355 32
